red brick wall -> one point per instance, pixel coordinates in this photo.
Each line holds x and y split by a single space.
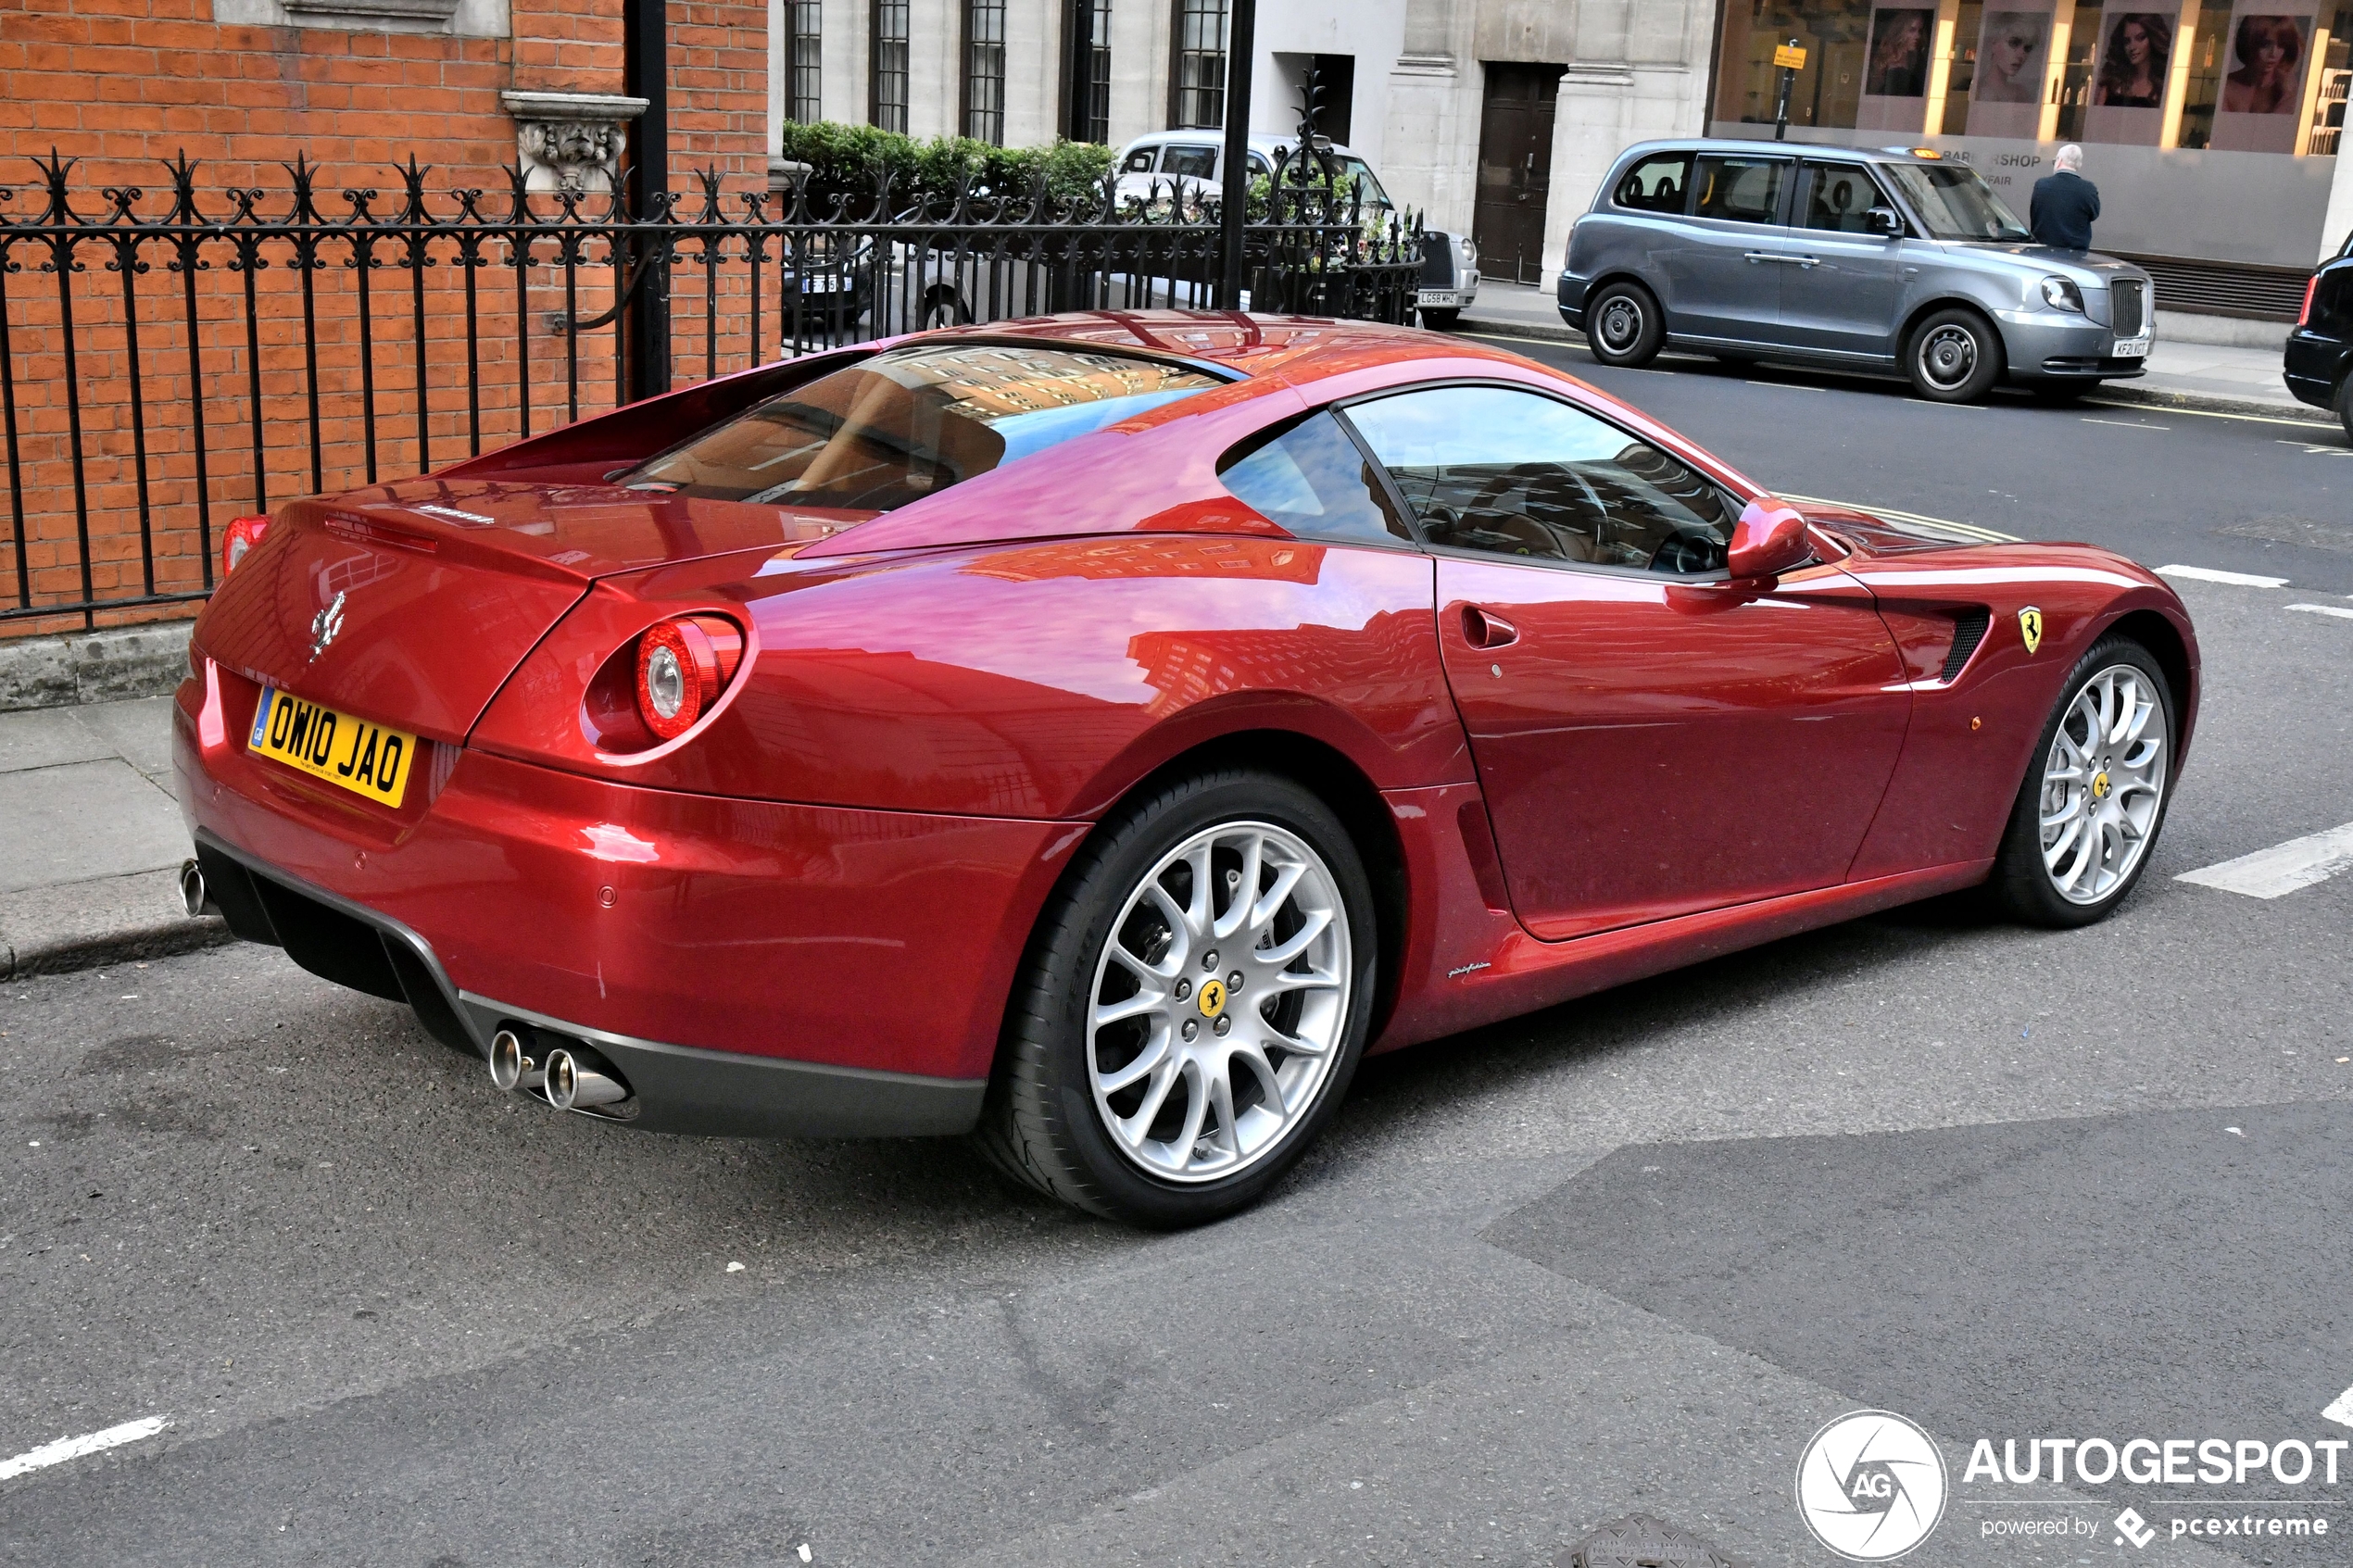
121 84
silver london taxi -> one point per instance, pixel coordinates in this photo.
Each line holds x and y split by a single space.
1895 260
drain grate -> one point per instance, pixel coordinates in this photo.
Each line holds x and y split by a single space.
1639 1541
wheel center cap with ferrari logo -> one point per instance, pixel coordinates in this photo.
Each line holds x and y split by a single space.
1210 998
2100 785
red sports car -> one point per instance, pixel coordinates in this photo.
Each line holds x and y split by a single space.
1095 734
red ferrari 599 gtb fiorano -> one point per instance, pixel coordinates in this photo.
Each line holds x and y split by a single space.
1095 734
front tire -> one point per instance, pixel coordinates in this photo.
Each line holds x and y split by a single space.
2093 798
1137 1080
1954 356
1624 325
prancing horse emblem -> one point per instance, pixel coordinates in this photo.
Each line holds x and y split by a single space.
2030 628
324 626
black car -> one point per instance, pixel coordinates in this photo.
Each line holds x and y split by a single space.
2319 351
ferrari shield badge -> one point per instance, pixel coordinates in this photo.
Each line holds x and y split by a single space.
2030 628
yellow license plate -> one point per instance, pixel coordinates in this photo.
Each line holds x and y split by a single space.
362 757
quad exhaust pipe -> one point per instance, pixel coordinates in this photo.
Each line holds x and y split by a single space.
569 1077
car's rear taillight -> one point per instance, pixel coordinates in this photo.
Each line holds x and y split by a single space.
2312 286
244 534
683 664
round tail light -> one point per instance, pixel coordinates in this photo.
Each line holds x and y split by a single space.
244 534
683 665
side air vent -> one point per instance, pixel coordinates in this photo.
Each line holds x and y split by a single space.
1969 630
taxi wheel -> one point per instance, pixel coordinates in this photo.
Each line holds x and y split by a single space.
2093 798
2345 405
1192 1006
1624 326
1954 356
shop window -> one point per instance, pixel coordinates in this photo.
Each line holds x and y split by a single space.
803 44
1961 68
2209 61
1835 36
1199 81
891 64
1098 71
2082 70
2336 86
985 70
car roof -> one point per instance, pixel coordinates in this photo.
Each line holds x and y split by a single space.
1229 339
1258 142
1763 144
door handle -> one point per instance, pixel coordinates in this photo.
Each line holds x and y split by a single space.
1484 628
1768 256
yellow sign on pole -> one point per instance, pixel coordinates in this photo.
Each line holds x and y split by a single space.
1789 57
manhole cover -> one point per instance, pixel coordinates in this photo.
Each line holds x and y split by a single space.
1639 1541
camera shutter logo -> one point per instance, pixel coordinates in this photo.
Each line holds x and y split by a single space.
1872 1486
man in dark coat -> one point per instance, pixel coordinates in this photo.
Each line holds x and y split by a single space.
2065 204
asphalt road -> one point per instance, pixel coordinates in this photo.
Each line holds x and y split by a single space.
1625 1255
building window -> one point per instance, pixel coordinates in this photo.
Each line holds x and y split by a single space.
891 64
985 70
803 102
1098 72
1200 77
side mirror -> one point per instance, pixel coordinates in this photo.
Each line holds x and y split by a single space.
1768 540
1883 221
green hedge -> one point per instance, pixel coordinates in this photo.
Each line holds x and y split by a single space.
848 161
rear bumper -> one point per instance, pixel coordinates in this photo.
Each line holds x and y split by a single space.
750 966
2314 366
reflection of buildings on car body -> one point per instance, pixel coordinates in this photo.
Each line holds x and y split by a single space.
2213 124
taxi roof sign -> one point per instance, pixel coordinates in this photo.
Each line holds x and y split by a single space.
1789 57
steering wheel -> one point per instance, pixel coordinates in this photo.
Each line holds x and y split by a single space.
1687 551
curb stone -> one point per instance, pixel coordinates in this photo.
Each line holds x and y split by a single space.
90 924
2123 392
102 666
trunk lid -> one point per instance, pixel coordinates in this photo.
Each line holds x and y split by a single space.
411 604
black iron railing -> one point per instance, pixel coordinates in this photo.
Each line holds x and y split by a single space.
164 367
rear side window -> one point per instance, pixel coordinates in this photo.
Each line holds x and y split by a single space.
902 426
1139 161
2333 302
1836 197
1312 479
1199 163
1656 184
1747 189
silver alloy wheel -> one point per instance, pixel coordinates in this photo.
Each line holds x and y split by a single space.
1220 1002
1948 357
2102 784
1621 324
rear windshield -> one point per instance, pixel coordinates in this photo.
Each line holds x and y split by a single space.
905 425
1955 204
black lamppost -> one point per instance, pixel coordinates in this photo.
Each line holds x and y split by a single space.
1241 45
645 73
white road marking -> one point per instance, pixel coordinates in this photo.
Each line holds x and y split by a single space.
65 1448
2342 1411
2172 409
2123 424
2283 868
2208 574
2338 610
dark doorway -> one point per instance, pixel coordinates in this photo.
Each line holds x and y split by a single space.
1515 169
1336 74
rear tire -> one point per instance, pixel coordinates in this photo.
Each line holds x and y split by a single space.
2101 786
1624 325
1100 1097
1954 356
2345 405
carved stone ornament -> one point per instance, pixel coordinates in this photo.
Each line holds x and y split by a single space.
571 141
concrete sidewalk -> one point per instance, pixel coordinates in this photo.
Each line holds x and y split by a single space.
90 839
2188 376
